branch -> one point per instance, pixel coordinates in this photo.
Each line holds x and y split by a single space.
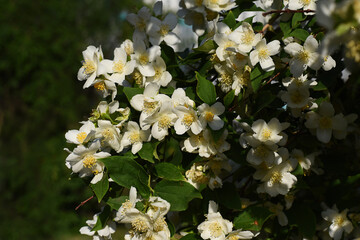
83 202
288 11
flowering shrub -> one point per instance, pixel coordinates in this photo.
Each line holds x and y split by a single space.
220 120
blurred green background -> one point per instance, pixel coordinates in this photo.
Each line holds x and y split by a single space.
41 44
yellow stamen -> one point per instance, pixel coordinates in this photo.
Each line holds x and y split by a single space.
209 116
118 67
134 137
248 37
325 122
164 30
144 59
81 137
108 134
100 86
89 67
164 122
276 177
188 119
215 229
266 133
303 56
150 107
139 225
263 53
89 161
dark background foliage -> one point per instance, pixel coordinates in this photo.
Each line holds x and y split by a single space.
41 44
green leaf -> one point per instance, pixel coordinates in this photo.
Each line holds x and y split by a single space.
256 77
229 98
130 92
304 218
298 171
252 218
127 172
169 171
178 194
230 20
300 34
263 100
101 187
168 90
205 90
285 28
191 236
228 196
297 17
320 87
206 47
102 219
115 203
147 152
190 92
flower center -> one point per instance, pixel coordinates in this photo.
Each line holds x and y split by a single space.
266 134
305 2
164 122
138 78
209 116
198 3
215 229
263 53
276 177
118 67
229 44
89 67
140 24
188 119
150 107
134 137
248 38
296 97
100 86
139 225
325 122
159 224
126 206
158 73
89 161
353 50
303 56
81 137
108 134
164 30
144 59
339 220
226 82
261 152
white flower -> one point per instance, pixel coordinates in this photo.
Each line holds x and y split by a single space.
276 180
278 210
304 56
148 103
161 77
210 115
269 133
329 63
304 161
214 227
90 70
144 57
119 67
128 47
135 136
196 175
127 205
84 161
339 222
139 21
104 233
303 4
215 182
188 39
245 38
201 143
81 136
188 120
179 98
109 134
159 31
224 43
104 86
239 234
263 52
263 154
324 123
219 5
161 121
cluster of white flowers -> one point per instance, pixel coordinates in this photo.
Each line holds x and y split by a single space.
166 105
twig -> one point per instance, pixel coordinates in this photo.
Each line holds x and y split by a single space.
264 29
288 11
83 202
276 75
